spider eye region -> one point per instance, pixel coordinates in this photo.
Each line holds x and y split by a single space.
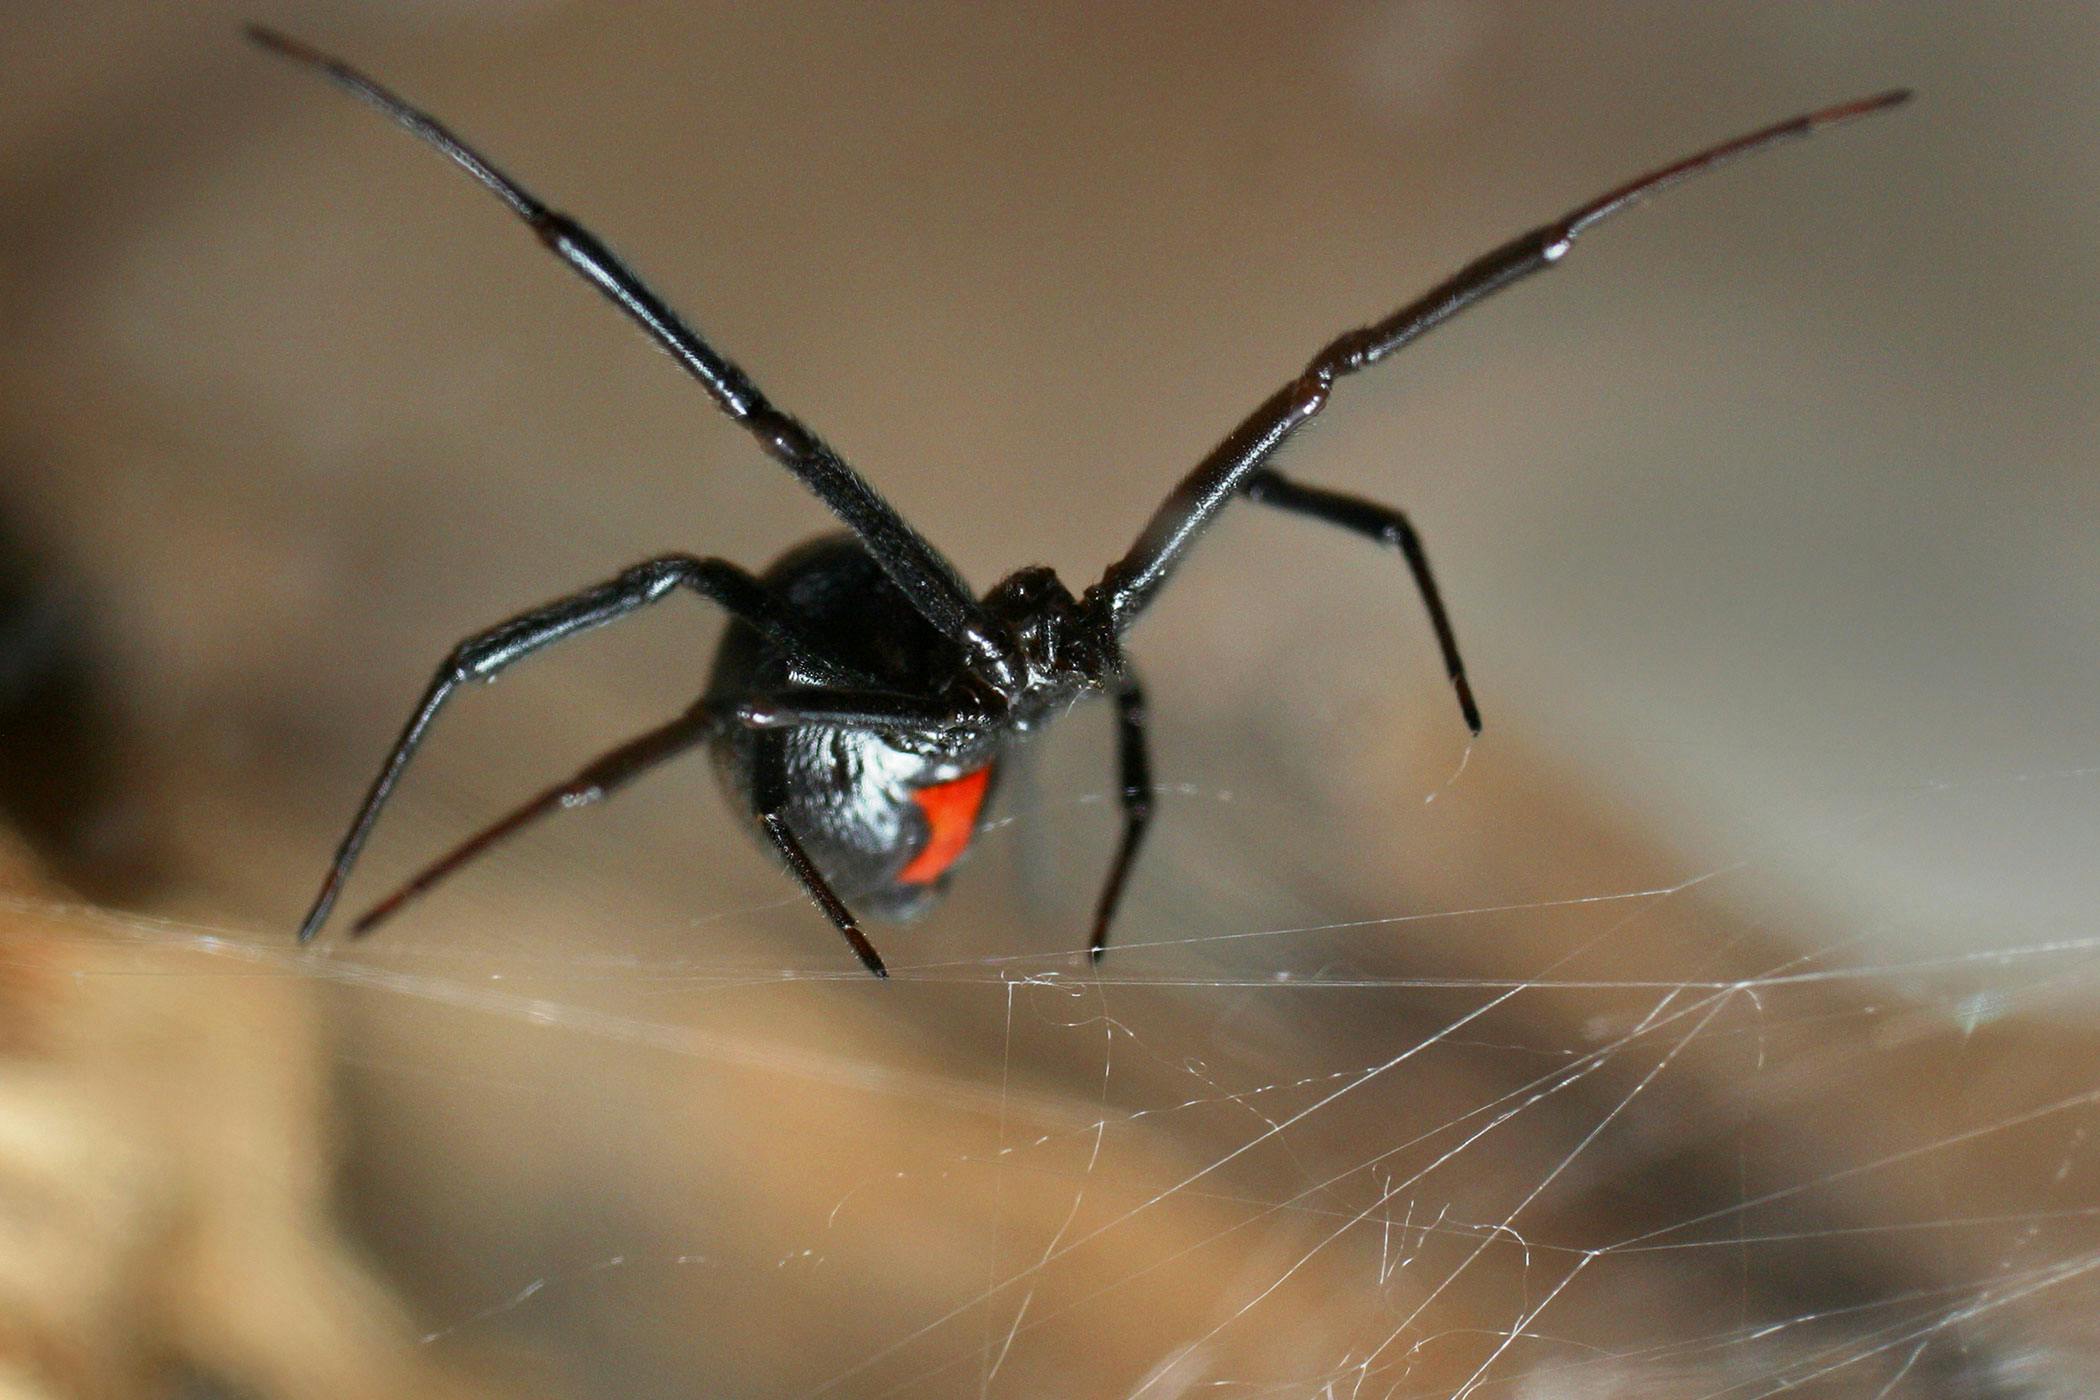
950 810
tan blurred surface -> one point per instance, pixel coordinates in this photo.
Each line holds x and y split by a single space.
1766 524
164 1174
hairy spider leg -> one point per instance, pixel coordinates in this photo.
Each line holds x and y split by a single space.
1384 525
855 709
1136 764
487 654
609 772
771 794
594 782
926 579
1131 583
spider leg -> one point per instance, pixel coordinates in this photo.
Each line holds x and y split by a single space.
488 654
1136 764
771 794
1131 583
1386 526
854 709
597 780
925 577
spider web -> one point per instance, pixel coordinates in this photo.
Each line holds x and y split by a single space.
1644 1136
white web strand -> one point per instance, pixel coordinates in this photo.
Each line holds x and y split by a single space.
1422 1253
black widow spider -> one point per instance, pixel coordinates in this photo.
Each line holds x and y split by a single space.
862 698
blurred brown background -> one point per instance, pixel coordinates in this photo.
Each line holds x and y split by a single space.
1766 524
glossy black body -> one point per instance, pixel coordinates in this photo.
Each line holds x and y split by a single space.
848 789
860 677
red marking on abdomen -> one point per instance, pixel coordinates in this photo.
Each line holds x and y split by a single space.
951 820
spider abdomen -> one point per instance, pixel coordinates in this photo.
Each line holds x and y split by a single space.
886 815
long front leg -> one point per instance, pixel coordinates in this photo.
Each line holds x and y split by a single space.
488 654
1132 582
920 572
771 794
1134 760
1388 527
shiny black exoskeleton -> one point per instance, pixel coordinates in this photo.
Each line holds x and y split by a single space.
852 796
863 697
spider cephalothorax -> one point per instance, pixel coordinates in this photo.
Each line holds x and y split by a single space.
1065 647
863 698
